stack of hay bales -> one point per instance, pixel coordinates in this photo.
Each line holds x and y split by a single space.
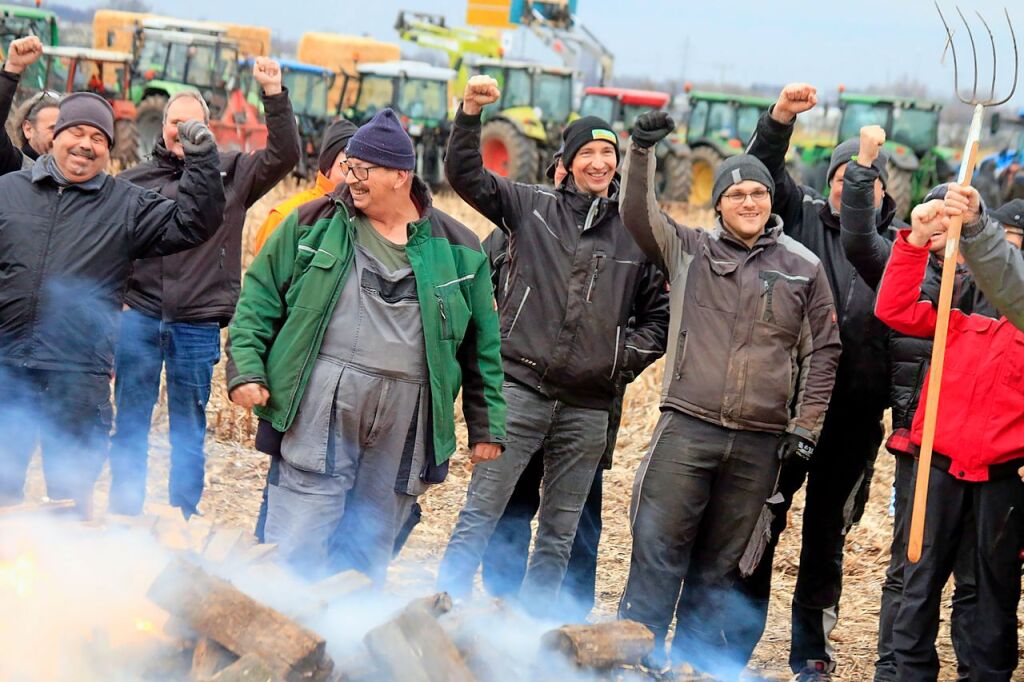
342 53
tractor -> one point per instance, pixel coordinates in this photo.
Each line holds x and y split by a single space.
916 161
171 57
418 94
1000 176
17 21
308 89
621 107
105 73
521 133
719 125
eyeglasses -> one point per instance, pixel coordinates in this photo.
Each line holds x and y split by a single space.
737 198
361 173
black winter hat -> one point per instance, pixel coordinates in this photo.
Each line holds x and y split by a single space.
936 192
846 151
556 159
584 130
336 137
735 170
1010 215
384 142
85 108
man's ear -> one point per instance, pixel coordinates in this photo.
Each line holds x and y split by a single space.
404 176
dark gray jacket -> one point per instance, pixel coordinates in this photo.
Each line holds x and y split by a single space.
575 279
753 340
202 284
67 253
998 268
11 158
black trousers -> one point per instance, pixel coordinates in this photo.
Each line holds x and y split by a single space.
837 477
996 509
964 594
69 414
701 485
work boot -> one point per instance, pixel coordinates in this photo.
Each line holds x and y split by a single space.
815 671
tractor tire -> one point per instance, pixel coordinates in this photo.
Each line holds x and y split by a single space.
149 123
508 153
703 164
126 144
899 188
676 177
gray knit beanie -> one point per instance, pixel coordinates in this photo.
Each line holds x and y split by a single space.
85 108
735 170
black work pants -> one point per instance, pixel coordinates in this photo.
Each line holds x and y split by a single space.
996 509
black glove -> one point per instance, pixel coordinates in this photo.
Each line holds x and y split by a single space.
651 128
195 137
793 445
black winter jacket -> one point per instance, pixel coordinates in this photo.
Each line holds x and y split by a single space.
575 279
862 379
11 158
202 284
869 251
66 254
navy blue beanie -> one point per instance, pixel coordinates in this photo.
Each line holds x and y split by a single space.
383 142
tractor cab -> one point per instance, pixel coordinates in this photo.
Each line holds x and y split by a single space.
101 72
418 94
17 21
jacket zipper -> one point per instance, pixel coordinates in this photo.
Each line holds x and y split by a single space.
42 265
445 332
615 351
519 310
591 214
593 276
682 356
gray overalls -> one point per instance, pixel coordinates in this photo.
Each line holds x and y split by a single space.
360 438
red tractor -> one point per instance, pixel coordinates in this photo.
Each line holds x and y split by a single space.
621 107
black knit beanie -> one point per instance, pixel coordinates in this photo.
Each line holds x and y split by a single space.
584 130
336 137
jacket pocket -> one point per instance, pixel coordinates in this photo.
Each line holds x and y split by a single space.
769 387
677 371
513 311
453 312
714 284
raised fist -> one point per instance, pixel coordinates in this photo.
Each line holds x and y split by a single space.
651 128
23 53
871 140
927 220
480 91
267 73
795 98
195 137
963 201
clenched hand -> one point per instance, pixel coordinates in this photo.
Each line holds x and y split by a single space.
249 395
267 73
795 98
23 53
480 91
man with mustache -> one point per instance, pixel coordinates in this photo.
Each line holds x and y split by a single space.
39 113
575 280
360 320
177 304
753 347
68 234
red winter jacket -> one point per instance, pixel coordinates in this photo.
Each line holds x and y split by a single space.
981 408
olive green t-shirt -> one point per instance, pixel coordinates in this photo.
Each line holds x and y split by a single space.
391 255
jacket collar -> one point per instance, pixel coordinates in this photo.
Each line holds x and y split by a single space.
41 171
421 196
162 156
570 189
28 151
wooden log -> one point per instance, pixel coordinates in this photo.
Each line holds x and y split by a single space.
413 647
436 604
216 609
249 668
356 668
602 646
257 554
223 543
341 585
209 658
199 530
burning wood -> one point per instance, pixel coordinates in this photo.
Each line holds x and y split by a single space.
216 609
604 645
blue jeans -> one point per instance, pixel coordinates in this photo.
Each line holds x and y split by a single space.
573 440
189 350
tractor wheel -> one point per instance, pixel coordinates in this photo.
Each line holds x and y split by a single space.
149 123
508 153
126 143
899 188
676 176
703 164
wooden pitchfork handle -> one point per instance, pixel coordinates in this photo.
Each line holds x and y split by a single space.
931 407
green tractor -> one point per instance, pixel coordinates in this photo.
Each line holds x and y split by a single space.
719 125
173 57
916 161
621 107
418 94
17 21
524 129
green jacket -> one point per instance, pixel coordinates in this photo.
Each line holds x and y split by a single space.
291 288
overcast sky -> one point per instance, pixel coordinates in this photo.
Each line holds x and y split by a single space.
858 42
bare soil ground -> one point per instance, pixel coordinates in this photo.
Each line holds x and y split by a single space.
235 475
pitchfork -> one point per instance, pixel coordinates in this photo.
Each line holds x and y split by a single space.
970 159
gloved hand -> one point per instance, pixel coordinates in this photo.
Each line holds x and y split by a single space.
792 446
651 128
195 137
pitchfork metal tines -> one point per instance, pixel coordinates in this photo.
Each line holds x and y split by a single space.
973 99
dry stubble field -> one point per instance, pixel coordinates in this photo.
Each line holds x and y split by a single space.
235 475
